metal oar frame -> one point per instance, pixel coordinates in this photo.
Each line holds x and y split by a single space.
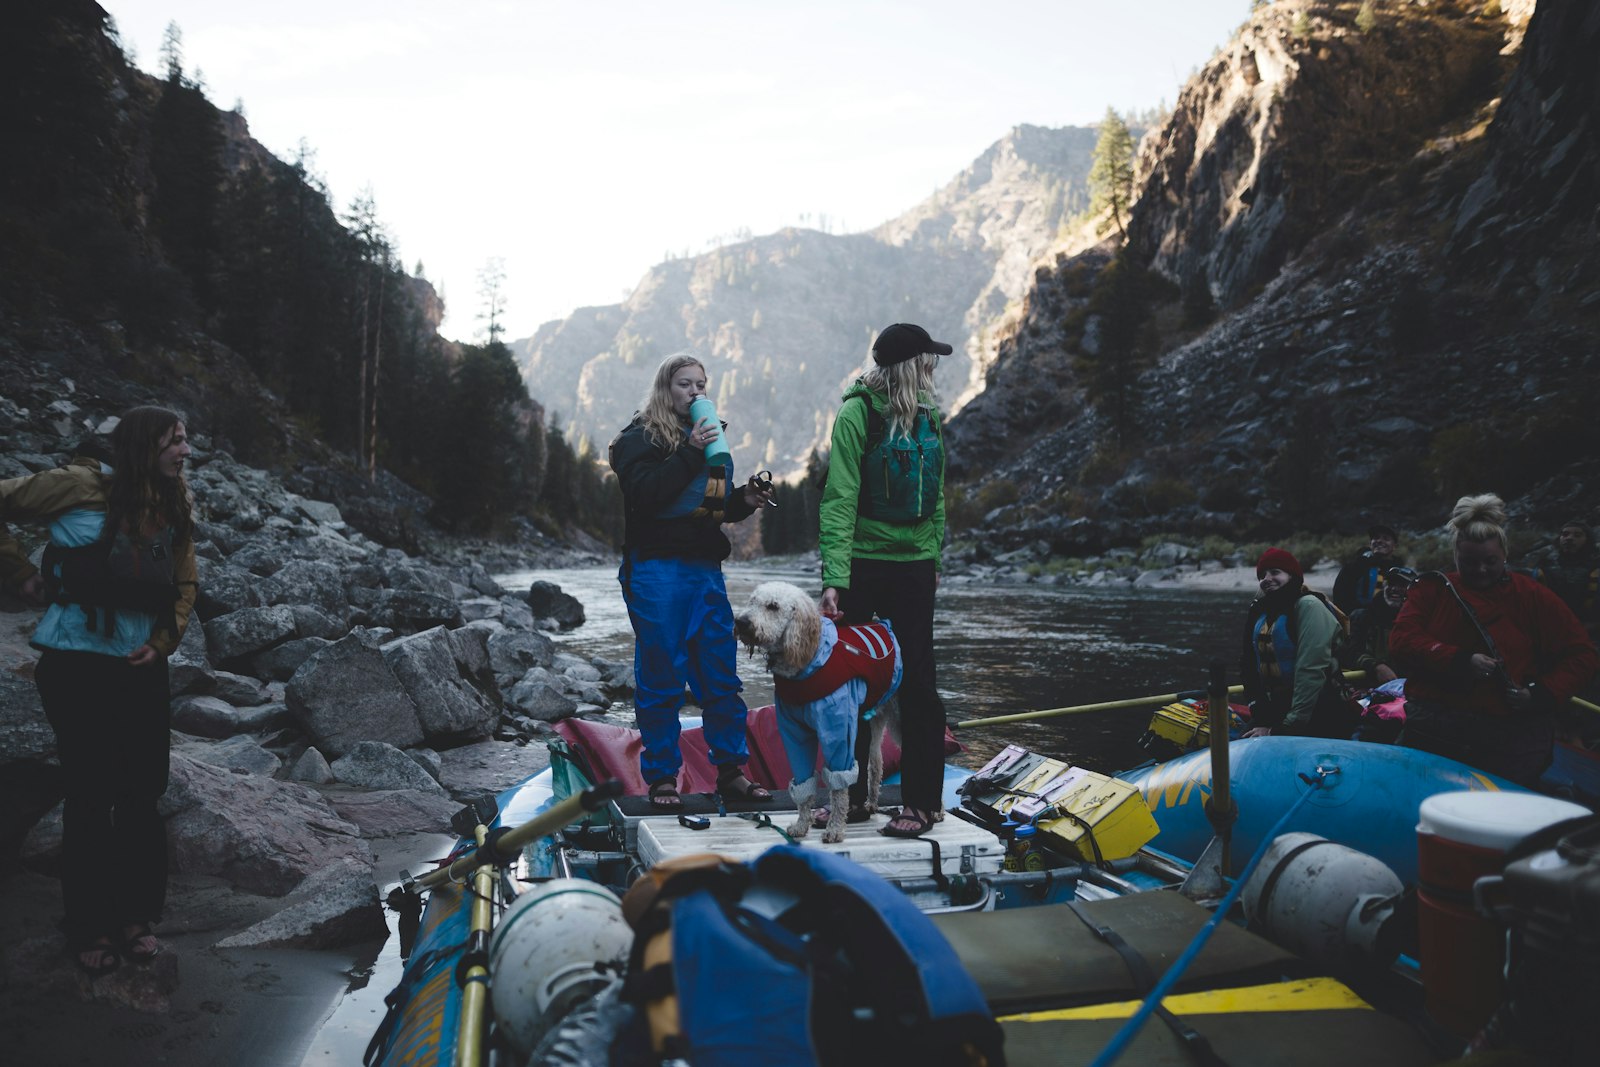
492 852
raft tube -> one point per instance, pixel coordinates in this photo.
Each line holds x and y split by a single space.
1370 804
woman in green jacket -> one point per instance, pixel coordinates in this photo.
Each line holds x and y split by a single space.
882 528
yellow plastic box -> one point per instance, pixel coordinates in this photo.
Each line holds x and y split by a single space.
1077 809
1183 724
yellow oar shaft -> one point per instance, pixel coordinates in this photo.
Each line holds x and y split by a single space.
559 815
1105 705
1147 702
473 1025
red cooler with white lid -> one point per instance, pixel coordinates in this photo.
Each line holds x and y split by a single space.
1462 837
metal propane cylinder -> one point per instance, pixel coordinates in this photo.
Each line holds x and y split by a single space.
557 944
1322 900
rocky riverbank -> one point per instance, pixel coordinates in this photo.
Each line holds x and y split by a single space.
333 701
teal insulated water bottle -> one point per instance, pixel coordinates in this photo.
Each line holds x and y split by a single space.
717 448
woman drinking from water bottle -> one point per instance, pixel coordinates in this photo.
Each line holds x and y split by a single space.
677 491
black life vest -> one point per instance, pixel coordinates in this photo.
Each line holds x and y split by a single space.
112 573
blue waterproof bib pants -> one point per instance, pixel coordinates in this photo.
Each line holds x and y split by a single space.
683 630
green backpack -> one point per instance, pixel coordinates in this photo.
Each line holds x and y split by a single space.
900 476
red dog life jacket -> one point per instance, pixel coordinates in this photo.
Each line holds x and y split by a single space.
865 652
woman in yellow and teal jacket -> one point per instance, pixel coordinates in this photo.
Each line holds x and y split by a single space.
118 576
881 533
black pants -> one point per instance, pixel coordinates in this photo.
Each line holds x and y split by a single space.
902 592
1517 747
111 721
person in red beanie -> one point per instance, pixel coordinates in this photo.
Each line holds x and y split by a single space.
1291 677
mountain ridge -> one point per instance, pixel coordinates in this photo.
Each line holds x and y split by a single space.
787 318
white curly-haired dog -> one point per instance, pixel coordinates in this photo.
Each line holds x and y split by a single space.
828 680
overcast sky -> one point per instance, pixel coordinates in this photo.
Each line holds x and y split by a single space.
582 142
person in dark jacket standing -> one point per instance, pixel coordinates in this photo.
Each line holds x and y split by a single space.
1573 573
1368 646
119 579
881 537
1491 656
1360 582
671 575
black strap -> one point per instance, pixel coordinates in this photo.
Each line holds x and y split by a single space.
1144 980
1088 831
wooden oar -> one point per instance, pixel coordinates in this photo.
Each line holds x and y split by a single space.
1152 701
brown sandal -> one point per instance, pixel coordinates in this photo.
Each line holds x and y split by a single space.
664 794
912 823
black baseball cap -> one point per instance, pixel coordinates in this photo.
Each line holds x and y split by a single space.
903 341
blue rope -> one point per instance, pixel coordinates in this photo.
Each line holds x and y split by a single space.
1124 1037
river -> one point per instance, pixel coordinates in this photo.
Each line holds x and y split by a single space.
1000 649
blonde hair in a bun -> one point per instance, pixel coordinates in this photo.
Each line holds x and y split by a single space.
1479 518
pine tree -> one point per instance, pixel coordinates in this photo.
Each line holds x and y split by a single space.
492 291
1120 305
171 53
1111 170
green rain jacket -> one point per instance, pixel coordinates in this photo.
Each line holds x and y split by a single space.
845 535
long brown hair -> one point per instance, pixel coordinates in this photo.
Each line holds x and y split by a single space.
661 424
139 496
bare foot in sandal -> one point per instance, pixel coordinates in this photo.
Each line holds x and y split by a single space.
97 957
856 813
139 942
664 794
910 822
733 785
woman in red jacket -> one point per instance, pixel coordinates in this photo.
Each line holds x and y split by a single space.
1491 655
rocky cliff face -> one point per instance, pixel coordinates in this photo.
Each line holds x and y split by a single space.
1286 123
1407 236
786 319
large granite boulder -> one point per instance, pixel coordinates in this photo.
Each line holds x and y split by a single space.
337 905
377 765
347 694
547 601
232 637
262 835
449 704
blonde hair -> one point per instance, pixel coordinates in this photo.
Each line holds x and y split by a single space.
1479 518
661 424
904 384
